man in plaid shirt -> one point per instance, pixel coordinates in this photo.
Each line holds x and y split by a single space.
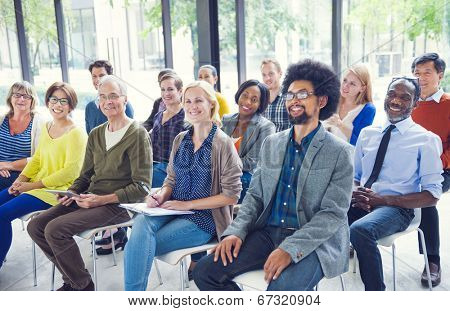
276 111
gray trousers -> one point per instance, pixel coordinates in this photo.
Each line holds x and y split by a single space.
53 232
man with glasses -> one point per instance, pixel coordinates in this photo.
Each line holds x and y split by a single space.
276 111
93 115
293 220
433 113
397 169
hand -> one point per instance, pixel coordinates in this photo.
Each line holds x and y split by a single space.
335 120
89 200
277 261
12 190
4 173
366 199
5 165
65 200
177 205
23 186
224 249
154 200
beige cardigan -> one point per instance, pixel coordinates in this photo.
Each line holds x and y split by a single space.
226 171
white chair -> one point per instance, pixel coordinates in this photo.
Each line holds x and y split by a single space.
179 256
255 280
90 235
23 219
389 241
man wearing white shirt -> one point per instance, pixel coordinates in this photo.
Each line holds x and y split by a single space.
397 169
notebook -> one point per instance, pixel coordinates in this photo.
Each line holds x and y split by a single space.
155 211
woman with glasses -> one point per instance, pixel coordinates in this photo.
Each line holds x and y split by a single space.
203 176
117 169
208 73
54 166
355 110
19 132
248 128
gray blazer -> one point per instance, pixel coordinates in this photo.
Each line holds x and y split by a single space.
258 129
324 186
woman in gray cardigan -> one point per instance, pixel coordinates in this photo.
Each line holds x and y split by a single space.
248 128
203 176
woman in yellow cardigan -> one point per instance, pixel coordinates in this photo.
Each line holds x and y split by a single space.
208 73
55 164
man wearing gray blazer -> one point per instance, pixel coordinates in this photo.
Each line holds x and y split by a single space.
293 220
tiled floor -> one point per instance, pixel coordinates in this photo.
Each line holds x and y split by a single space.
16 273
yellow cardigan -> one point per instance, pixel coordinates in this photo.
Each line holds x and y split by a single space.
57 162
223 105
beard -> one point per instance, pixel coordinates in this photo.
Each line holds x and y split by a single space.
301 119
404 115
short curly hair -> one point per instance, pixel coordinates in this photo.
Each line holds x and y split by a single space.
323 78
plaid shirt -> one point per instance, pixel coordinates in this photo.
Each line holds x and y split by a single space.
284 208
163 135
278 114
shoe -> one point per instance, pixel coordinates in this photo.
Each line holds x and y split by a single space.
65 288
435 273
118 245
117 236
351 251
89 288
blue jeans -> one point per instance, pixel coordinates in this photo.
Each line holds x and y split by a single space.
154 236
7 182
159 174
246 178
365 229
258 245
12 207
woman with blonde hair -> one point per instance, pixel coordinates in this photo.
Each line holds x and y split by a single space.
203 176
20 129
355 110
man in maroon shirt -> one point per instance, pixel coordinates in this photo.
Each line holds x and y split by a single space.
433 113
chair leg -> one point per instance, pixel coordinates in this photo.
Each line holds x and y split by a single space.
33 250
113 247
354 262
158 272
52 286
186 277
342 282
182 281
394 275
425 257
94 260
23 227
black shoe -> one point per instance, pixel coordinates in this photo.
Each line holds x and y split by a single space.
435 273
117 236
119 245
65 288
89 288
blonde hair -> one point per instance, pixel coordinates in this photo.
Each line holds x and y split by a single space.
29 90
210 95
362 72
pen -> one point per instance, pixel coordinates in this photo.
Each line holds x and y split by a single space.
145 187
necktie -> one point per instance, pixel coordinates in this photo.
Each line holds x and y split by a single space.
381 153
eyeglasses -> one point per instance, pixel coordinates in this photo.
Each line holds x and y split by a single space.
113 97
24 96
405 78
302 94
63 101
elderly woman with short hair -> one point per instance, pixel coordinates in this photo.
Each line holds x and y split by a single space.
117 169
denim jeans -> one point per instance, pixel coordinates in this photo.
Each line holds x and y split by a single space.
154 236
12 207
365 229
159 174
246 178
258 245
7 182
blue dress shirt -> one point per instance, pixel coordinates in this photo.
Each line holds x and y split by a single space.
412 162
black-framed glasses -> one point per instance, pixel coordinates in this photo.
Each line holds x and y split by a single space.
62 101
24 96
302 94
112 96
415 79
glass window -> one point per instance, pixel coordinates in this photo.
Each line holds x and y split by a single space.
388 41
9 53
287 31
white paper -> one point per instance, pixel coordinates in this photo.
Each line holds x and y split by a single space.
154 211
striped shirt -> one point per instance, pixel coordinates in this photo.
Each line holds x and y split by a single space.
278 114
14 147
193 178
